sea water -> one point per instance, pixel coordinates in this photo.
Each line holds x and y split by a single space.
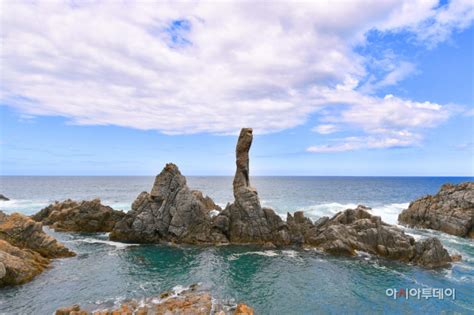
279 281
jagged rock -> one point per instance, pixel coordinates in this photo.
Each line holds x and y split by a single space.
451 211
206 201
357 230
2 197
245 219
170 212
190 301
84 216
18 266
25 250
23 232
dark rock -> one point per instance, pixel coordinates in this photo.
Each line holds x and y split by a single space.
451 211
171 212
248 221
2 197
355 230
85 216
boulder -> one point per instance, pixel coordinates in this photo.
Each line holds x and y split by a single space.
85 216
451 211
245 219
171 212
23 232
3 198
18 266
189 301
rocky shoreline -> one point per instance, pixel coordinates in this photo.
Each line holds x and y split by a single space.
25 249
451 211
192 300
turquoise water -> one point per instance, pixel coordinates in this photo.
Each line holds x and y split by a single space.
288 281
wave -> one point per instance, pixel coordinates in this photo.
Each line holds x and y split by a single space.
24 206
266 253
388 212
90 240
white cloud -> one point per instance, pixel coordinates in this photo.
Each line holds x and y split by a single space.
325 129
269 66
382 141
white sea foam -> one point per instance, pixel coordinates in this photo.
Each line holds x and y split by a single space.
118 245
24 206
388 213
267 253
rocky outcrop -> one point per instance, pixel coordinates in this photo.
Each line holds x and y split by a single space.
355 230
18 266
85 216
245 221
25 250
3 198
190 301
171 212
23 232
451 211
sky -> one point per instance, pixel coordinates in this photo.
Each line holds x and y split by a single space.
331 88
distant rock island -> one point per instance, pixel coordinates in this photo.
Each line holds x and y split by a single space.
451 211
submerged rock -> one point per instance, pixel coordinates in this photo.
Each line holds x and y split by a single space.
171 212
84 216
190 301
25 250
451 211
245 221
2 197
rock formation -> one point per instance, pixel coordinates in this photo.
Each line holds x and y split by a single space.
451 211
171 212
245 221
85 216
25 250
2 197
189 301
357 230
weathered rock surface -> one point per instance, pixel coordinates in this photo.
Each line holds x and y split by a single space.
18 266
188 302
2 197
451 211
357 230
25 250
85 216
171 212
245 221
23 232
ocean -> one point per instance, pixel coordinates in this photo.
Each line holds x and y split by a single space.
280 281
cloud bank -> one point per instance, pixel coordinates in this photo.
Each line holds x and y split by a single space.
208 67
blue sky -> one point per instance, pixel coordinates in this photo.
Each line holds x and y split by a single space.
107 89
